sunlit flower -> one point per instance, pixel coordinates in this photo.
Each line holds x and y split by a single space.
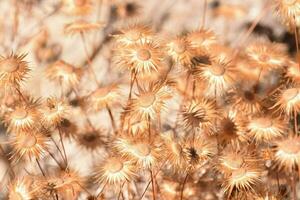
13 69
288 153
115 171
141 58
29 146
65 74
104 96
81 27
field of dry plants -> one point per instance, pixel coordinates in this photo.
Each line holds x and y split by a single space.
149 100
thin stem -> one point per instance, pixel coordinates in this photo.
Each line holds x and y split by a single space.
57 147
149 127
90 68
183 184
121 187
111 119
293 186
84 112
102 189
52 156
132 79
295 122
41 169
297 44
149 182
153 185
203 14
251 29
63 146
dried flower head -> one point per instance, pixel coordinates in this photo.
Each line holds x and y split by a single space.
91 139
293 73
200 114
266 56
265 128
115 171
230 129
180 50
288 153
218 77
13 70
81 26
202 40
245 97
29 146
199 151
242 179
103 97
54 112
287 101
65 74
140 58
174 148
134 34
140 150
20 189
149 103
77 7
23 117
288 10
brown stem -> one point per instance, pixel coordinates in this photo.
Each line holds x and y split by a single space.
295 122
297 44
90 68
52 156
41 169
63 146
132 80
111 119
251 29
203 14
98 195
153 185
293 186
183 184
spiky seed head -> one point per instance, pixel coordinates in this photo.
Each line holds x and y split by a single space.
13 70
115 171
81 26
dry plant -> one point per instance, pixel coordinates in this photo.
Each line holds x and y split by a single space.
100 101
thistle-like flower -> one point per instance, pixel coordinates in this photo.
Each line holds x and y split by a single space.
217 76
140 150
287 100
134 34
288 153
54 112
180 50
199 151
265 128
81 26
266 56
115 171
20 189
65 74
140 58
202 40
23 117
29 146
149 103
288 10
13 70
174 148
103 97
77 7
200 114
